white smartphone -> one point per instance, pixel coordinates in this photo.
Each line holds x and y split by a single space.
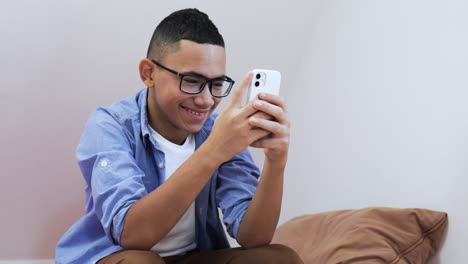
264 81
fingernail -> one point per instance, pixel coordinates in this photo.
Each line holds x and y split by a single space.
261 94
258 103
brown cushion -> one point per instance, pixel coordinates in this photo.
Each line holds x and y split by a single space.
371 235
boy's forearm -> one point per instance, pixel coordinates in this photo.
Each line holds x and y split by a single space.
262 215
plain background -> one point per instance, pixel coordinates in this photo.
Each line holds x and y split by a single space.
377 93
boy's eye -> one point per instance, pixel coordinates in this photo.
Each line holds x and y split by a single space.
192 80
217 84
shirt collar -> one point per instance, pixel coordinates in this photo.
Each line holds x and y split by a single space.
144 124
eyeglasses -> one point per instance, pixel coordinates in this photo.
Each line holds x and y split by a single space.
194 83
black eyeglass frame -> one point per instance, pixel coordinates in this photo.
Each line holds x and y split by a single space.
202 86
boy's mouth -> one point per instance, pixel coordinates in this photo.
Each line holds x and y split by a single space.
196 114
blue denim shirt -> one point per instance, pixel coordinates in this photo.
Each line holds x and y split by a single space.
121 163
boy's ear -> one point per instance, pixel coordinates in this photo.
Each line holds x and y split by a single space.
146 69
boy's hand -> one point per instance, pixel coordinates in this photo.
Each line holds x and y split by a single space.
276 145
233 131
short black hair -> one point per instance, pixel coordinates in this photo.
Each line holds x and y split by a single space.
189 24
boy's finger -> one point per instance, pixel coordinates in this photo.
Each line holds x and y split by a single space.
240 90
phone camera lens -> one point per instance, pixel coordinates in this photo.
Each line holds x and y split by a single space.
258 76
257 83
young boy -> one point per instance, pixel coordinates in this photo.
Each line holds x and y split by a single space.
160 163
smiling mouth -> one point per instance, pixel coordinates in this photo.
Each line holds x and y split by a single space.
195 113
199 114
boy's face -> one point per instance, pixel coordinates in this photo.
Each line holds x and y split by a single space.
173 113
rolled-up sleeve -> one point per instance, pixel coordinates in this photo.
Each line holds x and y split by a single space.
236 185
107 162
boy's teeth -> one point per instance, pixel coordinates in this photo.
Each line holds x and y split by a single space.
195 113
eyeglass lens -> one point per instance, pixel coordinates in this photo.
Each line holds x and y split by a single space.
193 84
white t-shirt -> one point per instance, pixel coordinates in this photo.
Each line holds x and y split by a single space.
181 238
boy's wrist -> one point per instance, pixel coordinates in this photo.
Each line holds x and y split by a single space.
209 152
277 163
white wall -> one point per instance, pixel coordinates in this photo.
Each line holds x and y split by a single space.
379 112
376 93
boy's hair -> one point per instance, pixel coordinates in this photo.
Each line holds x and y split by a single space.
189 24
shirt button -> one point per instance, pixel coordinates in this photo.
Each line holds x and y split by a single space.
161 165
104 163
